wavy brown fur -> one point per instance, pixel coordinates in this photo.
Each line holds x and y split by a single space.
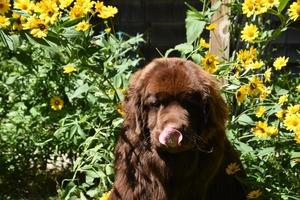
148 170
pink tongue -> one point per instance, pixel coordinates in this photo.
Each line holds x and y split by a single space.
170 137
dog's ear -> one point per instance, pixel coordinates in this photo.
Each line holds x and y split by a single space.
216 108
135 116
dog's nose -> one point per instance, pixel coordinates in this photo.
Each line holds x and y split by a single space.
170 137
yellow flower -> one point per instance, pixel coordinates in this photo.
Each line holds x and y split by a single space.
24 5
76 12
82 26
260 129
232 168
298 88
4 21
281 114
254 194
246 57
18 21
41 30
268 74
105 196
272 131
107 12
255 86
257 64
86 5
69 69
49 11
107 30
210 62
241 94
212 26
99 6
264 92
260 111
64 3
204 44
283 99
248 7
271 3
120 109
294 11
4 6
293 109
292 122
249 33
280 62
56 103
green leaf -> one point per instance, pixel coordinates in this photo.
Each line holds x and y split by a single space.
80 91
266 151
194 27
282 5
8 41
245 120
184 48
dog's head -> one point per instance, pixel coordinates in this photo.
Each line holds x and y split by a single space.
173 105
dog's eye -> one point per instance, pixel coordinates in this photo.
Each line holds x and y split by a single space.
155 104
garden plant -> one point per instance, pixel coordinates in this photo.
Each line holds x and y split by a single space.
64 70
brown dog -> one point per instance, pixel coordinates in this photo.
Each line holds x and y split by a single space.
174 146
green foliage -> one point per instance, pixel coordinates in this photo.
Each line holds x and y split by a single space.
73 143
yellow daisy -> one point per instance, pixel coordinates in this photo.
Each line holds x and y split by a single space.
64 3
49 11
107 30
260 111
24 5
56 103
210 62
212 26
4 22
257 64
249 33
4 6
40 30
255 86
260 129
264 92
272 131
105 196
107 12
248 7
268 74
69 69
292 109
120 109
232 168
282 99
241 94
281 114
246 57
298 88
76 12
271 3
203 43
292 122
280 62
294 11
82 26
254 194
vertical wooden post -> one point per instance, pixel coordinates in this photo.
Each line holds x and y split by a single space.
220 38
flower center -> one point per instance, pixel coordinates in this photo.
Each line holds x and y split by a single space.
253 86
57 103
1 5
271 1
250 33
209 61
42 27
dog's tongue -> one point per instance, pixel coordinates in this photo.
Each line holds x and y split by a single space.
170 137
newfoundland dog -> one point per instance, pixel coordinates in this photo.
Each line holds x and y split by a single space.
174 146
